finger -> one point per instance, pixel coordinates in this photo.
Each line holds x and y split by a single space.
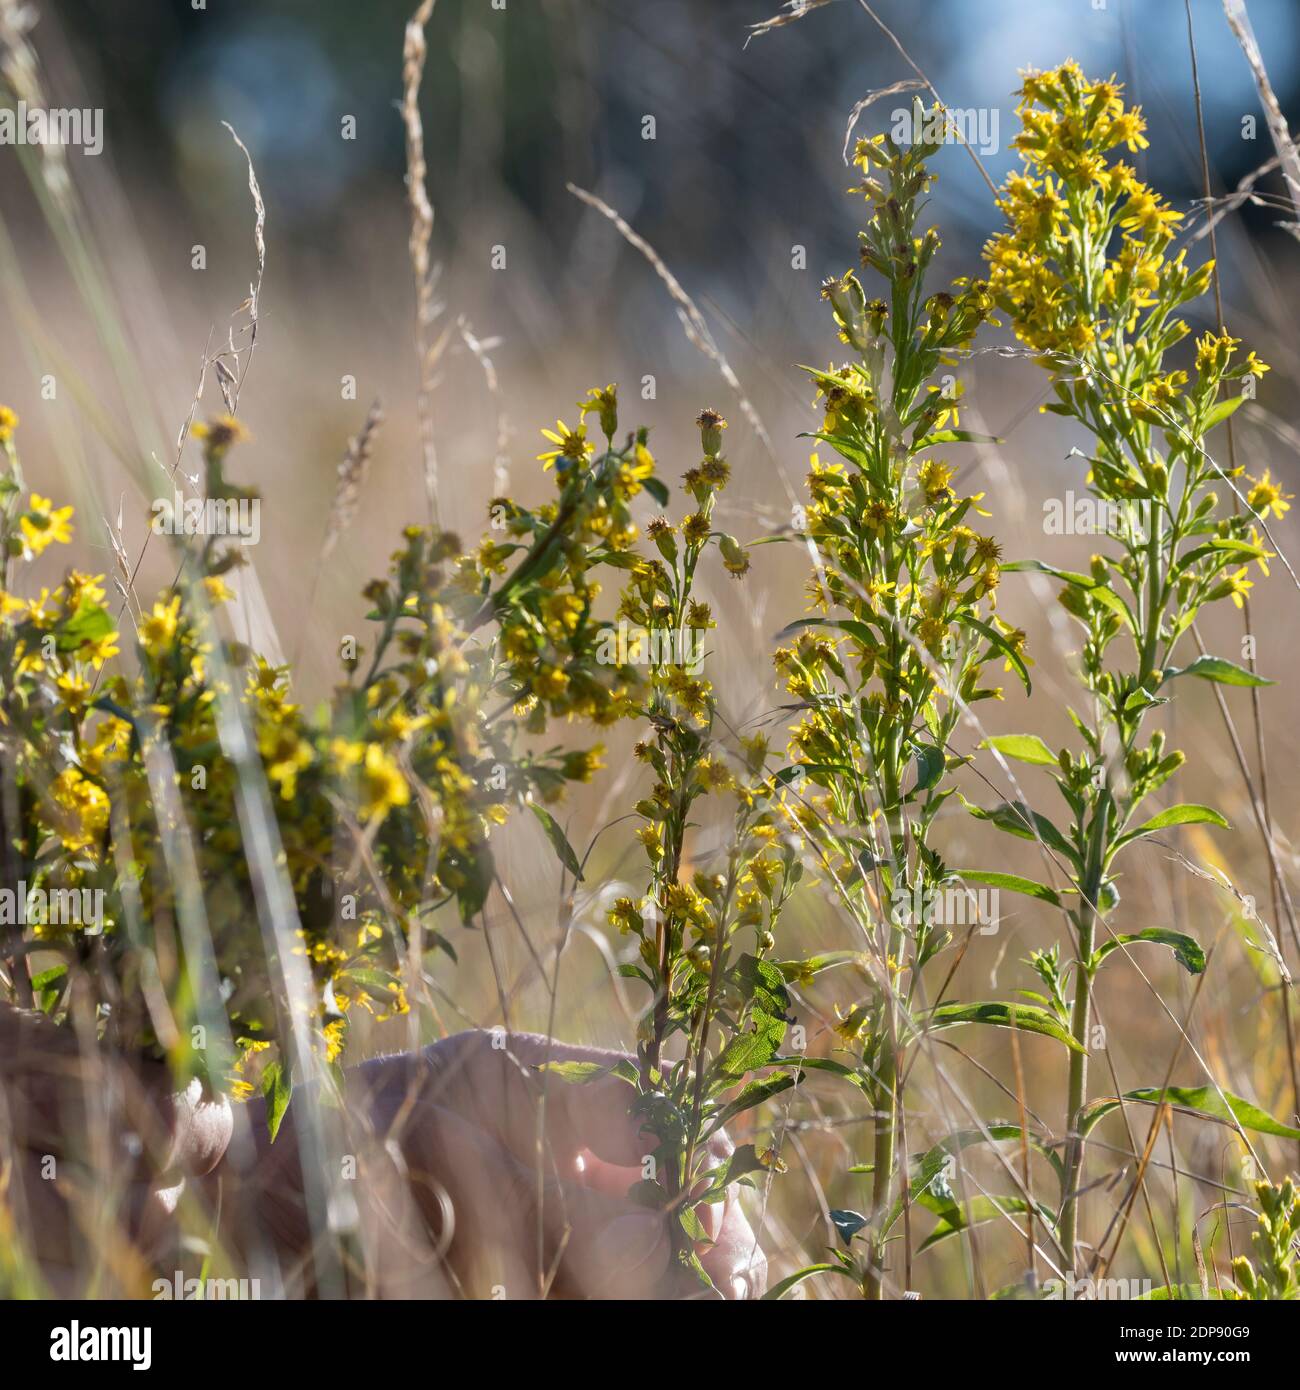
735 1262
594 1244
594 1115
495 1079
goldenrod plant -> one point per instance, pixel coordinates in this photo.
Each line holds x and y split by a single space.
1090 279
383 801
893 658
707 937
234 881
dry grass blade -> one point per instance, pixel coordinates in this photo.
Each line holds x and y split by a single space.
692 321
929 86
254 302
1289 157
795 9
906 84
479 349
1219 208
352 478
21 73
414 52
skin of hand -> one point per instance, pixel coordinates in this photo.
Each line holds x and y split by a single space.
468 1169
504 1171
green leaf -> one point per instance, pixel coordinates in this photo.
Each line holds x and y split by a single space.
1215 668
954 437
749 1051
930 763
755 1093
1026 1017
847 1223
961 1216
1078 581
1217 414
657 489
793 970
1017 819
577 1073
559 841
1189 814
277 1090
47 977
1197 1100
1190 955
779 1291
1027 748
924 1179
1013 883
90 623
1000 643
1108 598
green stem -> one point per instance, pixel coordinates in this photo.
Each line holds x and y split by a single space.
1080 1020
886 1090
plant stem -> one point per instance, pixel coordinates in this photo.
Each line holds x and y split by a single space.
1080 1020
886 1093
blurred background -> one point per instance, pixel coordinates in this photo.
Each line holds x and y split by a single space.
741 191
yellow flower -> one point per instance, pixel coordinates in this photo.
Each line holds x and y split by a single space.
572 445
218 590
221 433
80 809
1237 585
335 1035
604 404
158 629
285 755
42 525
8 424
382 784
74 690
1267 497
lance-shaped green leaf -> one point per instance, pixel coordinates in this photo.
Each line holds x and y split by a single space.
1013 883
801 969
559 841
926 1182
755 1093
1223 1108
961 1216
1189 952
1026 748
1028 1018
1215 668
779 1291
1072 577
999 643
1017 819
277 1091
1190 814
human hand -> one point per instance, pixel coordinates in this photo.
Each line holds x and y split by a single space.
517 1181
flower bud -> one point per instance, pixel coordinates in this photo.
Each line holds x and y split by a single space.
711 426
